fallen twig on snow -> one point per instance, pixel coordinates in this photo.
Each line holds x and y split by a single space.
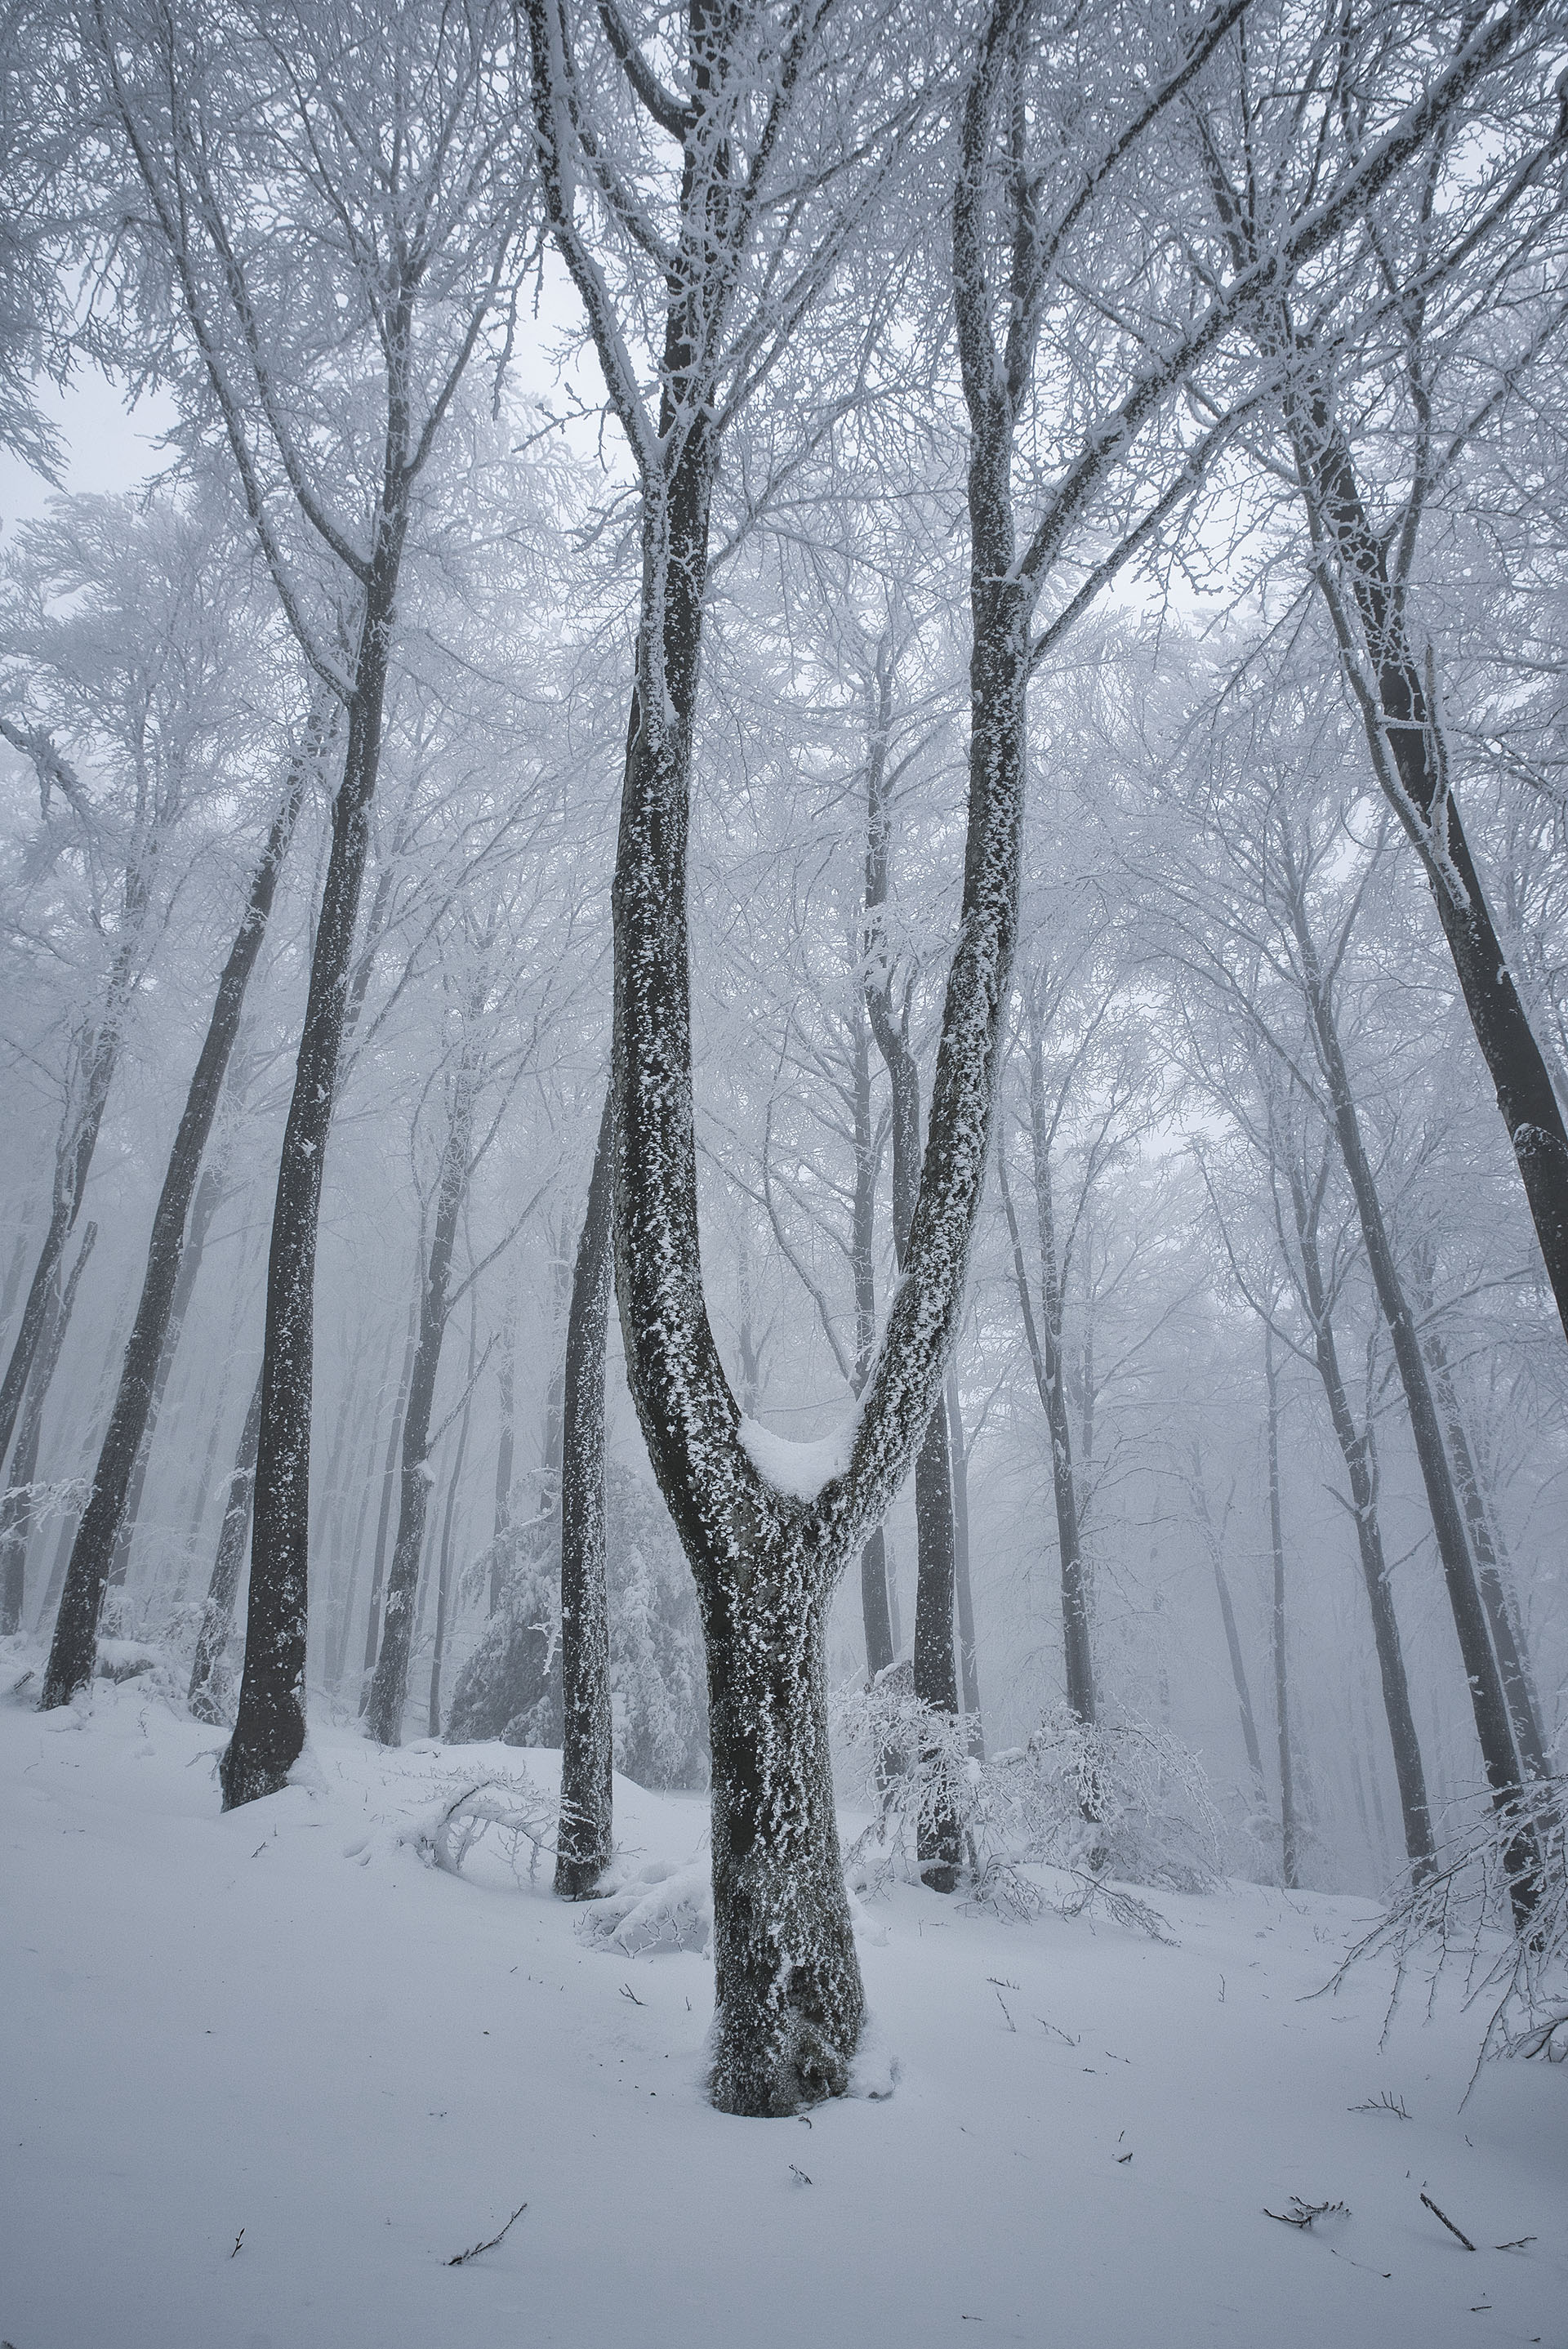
475 2248
1302 2214
1382 2103
1448 2222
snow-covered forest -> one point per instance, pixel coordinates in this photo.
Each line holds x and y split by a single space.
784 1025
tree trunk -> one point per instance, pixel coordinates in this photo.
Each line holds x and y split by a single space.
505 1453
70 1665
209 1193
583 1842
1493 1728
1409 756
1290 1855
936 1680
388 1487
788 2001
19 1507
443 1572
343 1625
1044 1355
875 1612
208 1697
390 1683
968 1664
1507 1638
1356 1451
270 1721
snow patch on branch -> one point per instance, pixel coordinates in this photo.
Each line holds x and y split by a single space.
799 1468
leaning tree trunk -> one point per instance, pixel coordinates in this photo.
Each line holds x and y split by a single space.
390 1683
1493 1728
582 1843
1355 1447
70 1665
203 1207
1290 1847
270 1721
19 1507
208 1696
1507 1639
1409 756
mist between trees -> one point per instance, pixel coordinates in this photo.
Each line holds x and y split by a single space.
793 917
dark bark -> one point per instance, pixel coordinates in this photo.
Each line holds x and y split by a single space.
70 1665
1409 755
390 1683
1290 1845
19 1508
969 1668
583 1842
203 1207
1493 1728
270 1721
788 1997
1355 1447
208 1696
1507 1633
73 1159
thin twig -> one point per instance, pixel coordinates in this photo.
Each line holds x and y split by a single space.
475 2248
1448 2222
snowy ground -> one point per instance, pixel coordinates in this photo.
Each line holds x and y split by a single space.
282 2021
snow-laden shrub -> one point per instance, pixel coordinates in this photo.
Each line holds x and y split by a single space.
1115 1803
661 1907
1461 1917
505 1807
510 1687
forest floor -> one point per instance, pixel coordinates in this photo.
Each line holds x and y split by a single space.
265 2075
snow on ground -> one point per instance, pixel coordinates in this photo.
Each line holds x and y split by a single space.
281 2022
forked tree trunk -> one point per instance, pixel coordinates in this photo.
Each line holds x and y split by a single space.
19 1508
789 2003
70 1665
1354 1448
583 1842
270 1719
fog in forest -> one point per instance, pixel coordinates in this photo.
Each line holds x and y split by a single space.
784 849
